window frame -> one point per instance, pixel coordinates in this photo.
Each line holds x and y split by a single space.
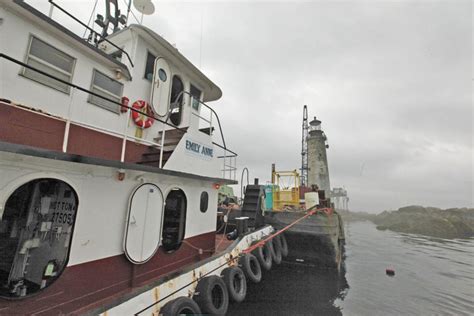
102 90
29 56
148 52
192 97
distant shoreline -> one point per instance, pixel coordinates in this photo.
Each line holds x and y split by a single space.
428 221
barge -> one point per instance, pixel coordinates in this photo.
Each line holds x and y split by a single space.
317 240
298 205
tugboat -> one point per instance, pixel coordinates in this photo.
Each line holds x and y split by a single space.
110 164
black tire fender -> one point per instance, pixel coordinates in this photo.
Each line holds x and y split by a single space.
179 306
251 267
276 250
234 279
211 295
264 256
284 245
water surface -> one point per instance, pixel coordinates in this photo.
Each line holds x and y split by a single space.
433 276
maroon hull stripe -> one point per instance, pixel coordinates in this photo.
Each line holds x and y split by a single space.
89 285
24 127
19 126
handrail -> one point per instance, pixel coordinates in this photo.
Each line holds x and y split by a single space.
218 122
112 132
202 118
227 149
92 30
212 110
233 156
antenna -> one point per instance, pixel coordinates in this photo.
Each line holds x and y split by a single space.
304 148
145 7
129 8
112 18
200 42
90 19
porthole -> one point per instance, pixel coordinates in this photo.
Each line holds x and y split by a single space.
35 236
204 202
162 75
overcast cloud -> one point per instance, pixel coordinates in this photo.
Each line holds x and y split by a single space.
391 81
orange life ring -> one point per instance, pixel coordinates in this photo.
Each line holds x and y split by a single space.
140 120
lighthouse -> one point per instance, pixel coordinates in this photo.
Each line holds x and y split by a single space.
318 173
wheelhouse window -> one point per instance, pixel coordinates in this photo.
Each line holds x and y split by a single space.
196 97
174 222
150 63
176 102
50 60
106 87
35 236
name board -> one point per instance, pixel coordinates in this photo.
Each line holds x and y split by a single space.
198 149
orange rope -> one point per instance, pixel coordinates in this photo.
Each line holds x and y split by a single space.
262 242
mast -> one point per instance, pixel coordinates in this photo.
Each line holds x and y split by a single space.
304 148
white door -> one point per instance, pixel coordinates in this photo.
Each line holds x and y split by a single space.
143 228
160 89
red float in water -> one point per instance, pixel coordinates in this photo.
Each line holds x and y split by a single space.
390 271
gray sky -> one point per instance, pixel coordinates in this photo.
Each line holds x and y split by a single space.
391 81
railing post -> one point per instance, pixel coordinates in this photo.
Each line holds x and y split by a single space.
235 167
68 121
162 146
124 141
51 7
225 161
210 125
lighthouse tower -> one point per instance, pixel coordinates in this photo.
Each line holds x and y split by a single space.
318 172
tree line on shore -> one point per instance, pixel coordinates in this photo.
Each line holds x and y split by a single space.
429 221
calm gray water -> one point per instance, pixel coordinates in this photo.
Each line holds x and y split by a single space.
432 277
